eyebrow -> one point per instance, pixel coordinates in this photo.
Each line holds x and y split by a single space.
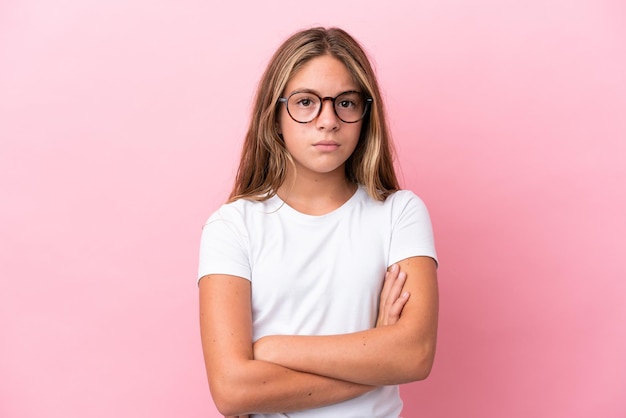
304 90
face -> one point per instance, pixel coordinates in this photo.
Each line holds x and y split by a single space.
322 146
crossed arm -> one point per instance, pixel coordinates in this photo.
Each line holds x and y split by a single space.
286 373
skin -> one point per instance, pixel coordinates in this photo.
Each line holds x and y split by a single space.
401 352
321 147
284 373
240 383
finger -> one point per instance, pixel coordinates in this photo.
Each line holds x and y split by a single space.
396 288
394 302
385 302
396 308
387 284
390 277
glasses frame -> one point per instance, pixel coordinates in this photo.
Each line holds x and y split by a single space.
285 100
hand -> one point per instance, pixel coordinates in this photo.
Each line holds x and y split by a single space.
392 298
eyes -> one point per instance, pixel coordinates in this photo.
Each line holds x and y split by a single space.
305 102
346 104
347 100
304 106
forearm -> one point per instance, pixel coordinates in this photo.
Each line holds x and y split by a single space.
398 353
254 386
241 384
380 356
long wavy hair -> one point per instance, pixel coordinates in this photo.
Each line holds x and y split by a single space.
264 157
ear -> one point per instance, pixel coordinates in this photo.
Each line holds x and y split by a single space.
277 128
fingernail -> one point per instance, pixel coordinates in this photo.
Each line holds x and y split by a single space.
394 267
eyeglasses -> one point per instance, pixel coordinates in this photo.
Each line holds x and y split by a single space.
304 106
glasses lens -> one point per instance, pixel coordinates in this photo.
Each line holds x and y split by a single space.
303 107
350 106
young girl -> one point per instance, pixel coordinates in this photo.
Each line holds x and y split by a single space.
318 287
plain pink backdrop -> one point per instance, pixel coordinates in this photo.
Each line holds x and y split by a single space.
120 128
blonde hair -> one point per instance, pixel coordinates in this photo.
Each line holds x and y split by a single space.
264 157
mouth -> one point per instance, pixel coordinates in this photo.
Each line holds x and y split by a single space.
326 145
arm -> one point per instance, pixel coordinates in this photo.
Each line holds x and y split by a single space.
240 384
397 353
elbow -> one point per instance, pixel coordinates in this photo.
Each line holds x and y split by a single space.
421 363
233 390
423 369
225 408
229 399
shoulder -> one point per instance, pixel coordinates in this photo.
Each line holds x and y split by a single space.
395 203
404 198
240 209
405 207
404 195
242 216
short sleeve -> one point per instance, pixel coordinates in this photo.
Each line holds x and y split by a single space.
223 248
412 233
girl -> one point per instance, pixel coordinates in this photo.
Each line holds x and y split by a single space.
317 279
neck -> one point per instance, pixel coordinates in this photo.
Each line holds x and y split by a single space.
317 194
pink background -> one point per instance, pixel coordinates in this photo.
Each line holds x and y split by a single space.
120 128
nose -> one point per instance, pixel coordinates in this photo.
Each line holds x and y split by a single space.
327 119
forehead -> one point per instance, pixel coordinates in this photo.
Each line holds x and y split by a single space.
325 74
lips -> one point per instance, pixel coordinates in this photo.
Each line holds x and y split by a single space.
326 145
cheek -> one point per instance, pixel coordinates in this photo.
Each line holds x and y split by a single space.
289 128
357 130
286 125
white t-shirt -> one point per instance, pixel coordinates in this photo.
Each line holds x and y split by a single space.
318 275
